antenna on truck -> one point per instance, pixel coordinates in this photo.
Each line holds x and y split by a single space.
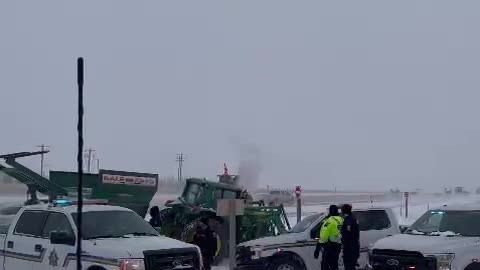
80 161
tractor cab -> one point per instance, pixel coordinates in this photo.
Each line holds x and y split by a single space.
204 194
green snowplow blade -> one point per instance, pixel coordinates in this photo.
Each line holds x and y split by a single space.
32 179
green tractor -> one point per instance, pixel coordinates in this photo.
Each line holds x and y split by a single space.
199 199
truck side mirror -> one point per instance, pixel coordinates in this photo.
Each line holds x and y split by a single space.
403 228
62 238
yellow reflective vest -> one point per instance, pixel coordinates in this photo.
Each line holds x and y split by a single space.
331 230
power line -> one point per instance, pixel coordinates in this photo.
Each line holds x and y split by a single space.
43 147
89 156
97 160
180 159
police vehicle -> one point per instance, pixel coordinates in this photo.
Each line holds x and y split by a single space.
294 250
44 237
442 239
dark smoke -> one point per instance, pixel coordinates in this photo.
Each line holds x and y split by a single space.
250 166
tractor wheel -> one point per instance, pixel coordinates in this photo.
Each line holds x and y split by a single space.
167 220
220 234
188 232
166 214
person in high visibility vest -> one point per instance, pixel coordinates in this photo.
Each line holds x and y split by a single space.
330 242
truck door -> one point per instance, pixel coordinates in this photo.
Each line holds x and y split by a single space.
21 248
56 254
374 224
310 261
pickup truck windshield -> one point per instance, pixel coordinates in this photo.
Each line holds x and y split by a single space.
113 224
447 223
305 224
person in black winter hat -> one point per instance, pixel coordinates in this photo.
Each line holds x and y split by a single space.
350 238
205 238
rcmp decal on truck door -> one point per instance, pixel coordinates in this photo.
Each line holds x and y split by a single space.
25 257
53 258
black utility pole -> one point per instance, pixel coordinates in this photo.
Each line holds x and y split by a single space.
43 147
80 66
98 164
180 161
89 153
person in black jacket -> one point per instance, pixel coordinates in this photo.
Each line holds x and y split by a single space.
155 217
350 239
206 240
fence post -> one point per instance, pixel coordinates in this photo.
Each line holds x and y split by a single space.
298 193
233 237
406 204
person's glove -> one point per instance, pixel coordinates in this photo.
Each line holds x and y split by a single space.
318 248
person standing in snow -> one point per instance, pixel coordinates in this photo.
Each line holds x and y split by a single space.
350 238
330 240
205 239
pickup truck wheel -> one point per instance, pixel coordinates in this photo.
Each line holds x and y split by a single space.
473 266
284 263
96 268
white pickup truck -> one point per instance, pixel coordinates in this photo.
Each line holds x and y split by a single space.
446 238
44 237
294 250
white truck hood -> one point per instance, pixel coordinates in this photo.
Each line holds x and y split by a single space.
424 244
287 238
132 247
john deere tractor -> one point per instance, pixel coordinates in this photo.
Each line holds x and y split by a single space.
199 199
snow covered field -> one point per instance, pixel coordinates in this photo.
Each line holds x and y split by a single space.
418 205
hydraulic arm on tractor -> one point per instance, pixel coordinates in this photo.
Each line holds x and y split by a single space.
34 182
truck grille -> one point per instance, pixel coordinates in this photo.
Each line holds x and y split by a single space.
244 255
172 259
387 259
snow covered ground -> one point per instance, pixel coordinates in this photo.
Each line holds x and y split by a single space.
418 205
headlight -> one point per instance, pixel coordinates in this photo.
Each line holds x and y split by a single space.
256 252
444 261
200 256
369 259
132 264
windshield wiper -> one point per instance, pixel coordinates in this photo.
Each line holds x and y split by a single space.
105 236
141 234
446 234
415 232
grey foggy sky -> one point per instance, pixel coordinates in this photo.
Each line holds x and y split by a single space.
358 95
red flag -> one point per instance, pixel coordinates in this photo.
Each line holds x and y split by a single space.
225 169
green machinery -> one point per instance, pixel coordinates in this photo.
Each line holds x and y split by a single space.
199 199
132 190
136 190
128 189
